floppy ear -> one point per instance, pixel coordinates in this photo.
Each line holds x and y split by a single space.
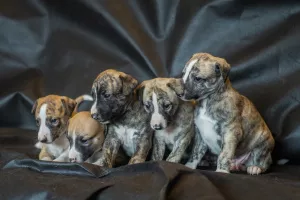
139 91
33 109
176 85
128 82
226 70
68 104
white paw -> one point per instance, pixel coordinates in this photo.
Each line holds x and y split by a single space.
222 171
254 170
191 165
46 159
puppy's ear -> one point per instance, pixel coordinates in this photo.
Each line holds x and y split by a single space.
33 109
176 85
139 91
68 104
128 83
225 71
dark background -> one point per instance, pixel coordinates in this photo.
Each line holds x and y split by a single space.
59 47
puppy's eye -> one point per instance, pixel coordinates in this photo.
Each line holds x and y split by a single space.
198 79
147 106
105 95
167 106
84 141
54 121
217 68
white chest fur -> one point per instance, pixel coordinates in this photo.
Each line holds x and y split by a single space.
168 135
127 137
57 147
207 127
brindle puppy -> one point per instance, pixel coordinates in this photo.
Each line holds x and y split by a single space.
116 105
52 113
171 118
229 124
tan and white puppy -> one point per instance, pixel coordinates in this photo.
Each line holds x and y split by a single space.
171 118
86 137
227 122
52 113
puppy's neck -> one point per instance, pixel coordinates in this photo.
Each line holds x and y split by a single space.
221 90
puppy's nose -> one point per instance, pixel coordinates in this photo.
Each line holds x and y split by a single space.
157 126
44 140
72 160
95 116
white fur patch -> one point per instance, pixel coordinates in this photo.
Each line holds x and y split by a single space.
206 126
87 97
73 153
44 131
57 147
94 108
156 118
188 70
126 135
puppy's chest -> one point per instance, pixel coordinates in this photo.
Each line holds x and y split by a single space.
58 146
128 136
209 129
169 135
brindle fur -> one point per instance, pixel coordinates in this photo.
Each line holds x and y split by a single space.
123 113
242 129
61 108
179 130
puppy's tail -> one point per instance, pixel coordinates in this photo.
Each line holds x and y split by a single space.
79 100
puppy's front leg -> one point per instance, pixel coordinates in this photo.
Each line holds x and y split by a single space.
158 148
143 145
231 139
63 157
109 150
179 147
198 150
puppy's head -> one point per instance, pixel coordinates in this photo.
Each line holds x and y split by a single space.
52 113
159 100
85 135
203 75
112 92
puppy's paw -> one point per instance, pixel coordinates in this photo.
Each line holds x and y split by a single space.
222 171
254 170
136 161
46 159
191 165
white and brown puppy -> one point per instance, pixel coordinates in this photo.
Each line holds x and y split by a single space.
171 118
229 125
52 113
115 104
86 137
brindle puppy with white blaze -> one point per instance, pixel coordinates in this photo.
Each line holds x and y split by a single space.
229 124
52 113
171 118
128 127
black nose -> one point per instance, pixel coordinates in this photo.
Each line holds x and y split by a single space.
157 126
44 140
95 116
72 159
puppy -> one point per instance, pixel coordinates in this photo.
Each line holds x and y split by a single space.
171 118
229 125
115 104
86 137
52 113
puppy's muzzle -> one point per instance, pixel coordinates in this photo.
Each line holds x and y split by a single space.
157 127
97 117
